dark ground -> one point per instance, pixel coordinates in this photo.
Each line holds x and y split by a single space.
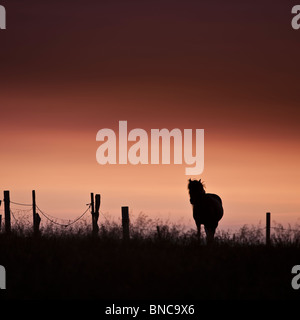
83 267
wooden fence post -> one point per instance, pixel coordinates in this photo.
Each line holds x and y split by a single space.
125 223
36 230
7 212
33 208
36 217
95 216
268 228
92 202
95 213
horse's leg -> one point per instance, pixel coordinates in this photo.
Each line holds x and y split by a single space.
210 233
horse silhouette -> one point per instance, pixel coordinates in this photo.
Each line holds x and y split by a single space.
207 209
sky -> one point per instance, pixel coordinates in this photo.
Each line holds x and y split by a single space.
71 68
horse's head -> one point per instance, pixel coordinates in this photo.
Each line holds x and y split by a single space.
196 189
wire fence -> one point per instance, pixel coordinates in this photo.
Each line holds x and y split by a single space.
22 213
70 222
22 216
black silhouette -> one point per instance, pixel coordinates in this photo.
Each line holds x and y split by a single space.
207 209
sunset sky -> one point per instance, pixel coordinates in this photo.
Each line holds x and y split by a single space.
71 68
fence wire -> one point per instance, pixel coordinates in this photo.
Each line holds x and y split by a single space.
17 211
50 218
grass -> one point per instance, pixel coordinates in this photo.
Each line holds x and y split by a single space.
170 265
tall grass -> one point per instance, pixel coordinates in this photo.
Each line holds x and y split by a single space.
162 261
144 228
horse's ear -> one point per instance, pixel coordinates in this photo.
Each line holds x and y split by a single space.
190 180
200 180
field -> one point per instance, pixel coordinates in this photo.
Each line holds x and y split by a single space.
168 265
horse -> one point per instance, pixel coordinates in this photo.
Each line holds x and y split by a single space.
207 209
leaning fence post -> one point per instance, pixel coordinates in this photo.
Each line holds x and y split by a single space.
7 212
268 228
125 223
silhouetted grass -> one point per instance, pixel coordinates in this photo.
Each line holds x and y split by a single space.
164 263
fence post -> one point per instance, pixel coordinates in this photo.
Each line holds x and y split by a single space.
95 216
125 223
33 208
268 228
94 232
7 212
36 230
36 217
92 203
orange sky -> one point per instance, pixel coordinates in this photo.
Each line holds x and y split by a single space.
186 65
